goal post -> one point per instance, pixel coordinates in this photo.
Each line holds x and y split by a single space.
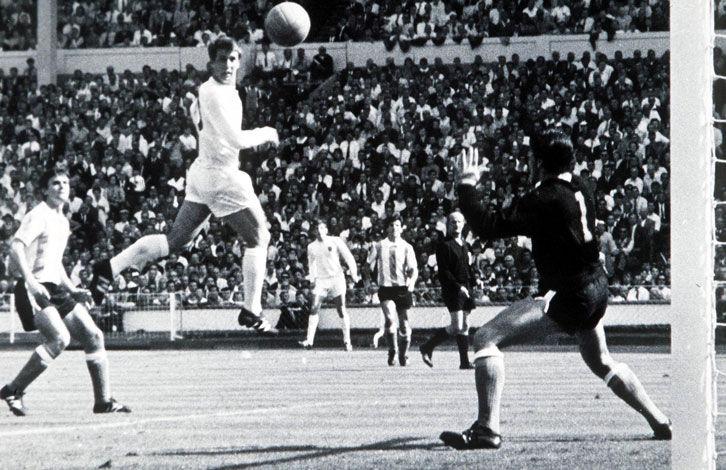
693 318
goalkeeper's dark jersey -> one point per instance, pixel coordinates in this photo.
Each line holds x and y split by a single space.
559 216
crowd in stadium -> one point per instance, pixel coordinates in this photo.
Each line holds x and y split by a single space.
382 140
143 23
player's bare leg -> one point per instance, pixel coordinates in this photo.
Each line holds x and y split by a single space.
313 320
404 337
621 380
84 329
186 227
389 311
521 322
251 225
345 320
55 339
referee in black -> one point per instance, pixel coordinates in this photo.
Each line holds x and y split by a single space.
457 281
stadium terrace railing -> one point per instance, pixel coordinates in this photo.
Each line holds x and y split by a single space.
167 317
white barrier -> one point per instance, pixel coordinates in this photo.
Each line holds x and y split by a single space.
224 319
176 58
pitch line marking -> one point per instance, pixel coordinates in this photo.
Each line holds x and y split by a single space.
160 419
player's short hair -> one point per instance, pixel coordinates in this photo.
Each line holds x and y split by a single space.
554 150
50 174
222 43
317 220
390 220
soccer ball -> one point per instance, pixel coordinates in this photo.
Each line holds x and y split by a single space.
287 24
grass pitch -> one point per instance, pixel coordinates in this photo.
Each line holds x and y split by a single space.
326 409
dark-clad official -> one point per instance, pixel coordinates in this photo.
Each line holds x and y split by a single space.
457 281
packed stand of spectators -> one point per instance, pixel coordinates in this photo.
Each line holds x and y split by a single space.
17 25
383 142
435 22
160 23
409 124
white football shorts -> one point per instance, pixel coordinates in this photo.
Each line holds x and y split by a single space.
330 286
224 190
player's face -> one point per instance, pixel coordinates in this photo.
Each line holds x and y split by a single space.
395 229
58 190
321 230
225 65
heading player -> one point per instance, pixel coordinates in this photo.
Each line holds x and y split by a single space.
215 185
397 273
559 216
46 299
324 255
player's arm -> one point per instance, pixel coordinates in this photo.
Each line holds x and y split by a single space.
80 294
485 224
312 265
372 255
349 259
412 268
217 112
30 228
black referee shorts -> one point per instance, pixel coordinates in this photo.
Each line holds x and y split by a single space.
457 301
400 295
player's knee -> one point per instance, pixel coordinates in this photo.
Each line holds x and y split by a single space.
490 350
484 338
405 331
614 370
94 339
260 238
58 343
601 364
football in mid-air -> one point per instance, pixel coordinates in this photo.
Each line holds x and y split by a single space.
287 24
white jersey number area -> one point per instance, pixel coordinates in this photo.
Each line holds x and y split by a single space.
583 216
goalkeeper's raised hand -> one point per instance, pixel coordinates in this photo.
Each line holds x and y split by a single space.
469 166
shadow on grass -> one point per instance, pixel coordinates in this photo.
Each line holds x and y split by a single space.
311 452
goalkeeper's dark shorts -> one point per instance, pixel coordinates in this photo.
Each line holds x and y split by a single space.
60 298
581 308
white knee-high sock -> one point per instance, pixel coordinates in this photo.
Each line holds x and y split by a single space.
142 251
254 263
97 363
312 327
489 377
625 384
346 328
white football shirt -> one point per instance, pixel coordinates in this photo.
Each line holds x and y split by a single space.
324 257
44 232
217 113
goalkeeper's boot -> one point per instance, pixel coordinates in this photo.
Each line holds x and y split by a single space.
101 281
476 437
663 432
256 322
14 400
305 344
111 406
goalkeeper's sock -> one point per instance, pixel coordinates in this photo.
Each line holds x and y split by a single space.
625 384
